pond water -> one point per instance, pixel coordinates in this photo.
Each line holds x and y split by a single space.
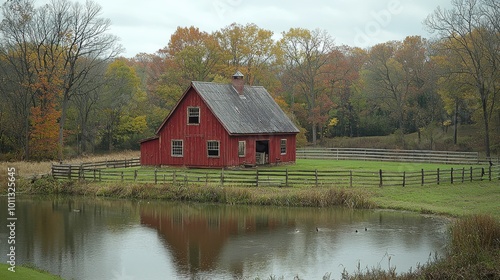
95 238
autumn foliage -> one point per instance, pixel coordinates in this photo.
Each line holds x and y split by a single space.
43 137
61 80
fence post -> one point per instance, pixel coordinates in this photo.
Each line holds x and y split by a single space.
100 178
471 173
94 174
174 177
286 177
380 177
156 179
463 174
404 178
135 175
437 176
489 172
222 177
316 177
422 177
122 176
257 177
350 178
80 172
451 175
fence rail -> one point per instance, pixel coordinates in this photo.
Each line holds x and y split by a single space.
273 177
390 155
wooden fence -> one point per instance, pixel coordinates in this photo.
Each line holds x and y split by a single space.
390 155
72 171
273 177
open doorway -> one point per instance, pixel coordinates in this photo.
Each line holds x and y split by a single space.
262 152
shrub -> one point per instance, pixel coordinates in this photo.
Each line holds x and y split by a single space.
475 239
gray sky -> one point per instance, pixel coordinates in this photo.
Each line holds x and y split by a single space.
146 25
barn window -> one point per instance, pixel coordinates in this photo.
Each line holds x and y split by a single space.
193 115
242 148
283 146
177 148
213 148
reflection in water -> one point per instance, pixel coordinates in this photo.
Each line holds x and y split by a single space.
82 238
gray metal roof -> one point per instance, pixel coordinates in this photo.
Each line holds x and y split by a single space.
253 112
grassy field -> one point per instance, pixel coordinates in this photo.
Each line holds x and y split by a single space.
25 273
456 200
28 168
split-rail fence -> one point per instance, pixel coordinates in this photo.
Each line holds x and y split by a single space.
120 171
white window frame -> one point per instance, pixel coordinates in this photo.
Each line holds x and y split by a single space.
242 148
174 149
283 143
192 114
213 149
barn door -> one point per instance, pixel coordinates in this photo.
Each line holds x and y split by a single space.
261 152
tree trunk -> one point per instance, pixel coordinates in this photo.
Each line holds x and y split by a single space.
314 132
64 109
486 128
455 127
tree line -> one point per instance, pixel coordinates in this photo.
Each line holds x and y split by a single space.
66 90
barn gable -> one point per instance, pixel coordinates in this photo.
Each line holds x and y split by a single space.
218 125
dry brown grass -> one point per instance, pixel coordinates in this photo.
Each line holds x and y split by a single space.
28 169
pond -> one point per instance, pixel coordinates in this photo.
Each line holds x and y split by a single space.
97 238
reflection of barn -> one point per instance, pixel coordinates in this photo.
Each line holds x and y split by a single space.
197 239
219 125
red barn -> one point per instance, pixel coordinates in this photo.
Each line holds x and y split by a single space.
222 125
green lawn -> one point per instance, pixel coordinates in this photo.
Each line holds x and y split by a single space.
27 273
328 165
481 197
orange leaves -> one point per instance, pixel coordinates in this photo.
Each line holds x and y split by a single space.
43 140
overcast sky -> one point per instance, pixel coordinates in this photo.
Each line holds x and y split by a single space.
146 25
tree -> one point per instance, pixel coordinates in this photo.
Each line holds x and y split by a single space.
120 97
61 40
87 45
394 75
194 53
305 55
344 68
470 31
18 75
249 49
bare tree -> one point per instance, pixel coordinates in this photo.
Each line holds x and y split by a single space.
470 31
62 40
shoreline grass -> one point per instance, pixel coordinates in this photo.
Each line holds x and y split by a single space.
26 272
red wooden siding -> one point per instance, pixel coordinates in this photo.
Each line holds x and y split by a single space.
150 152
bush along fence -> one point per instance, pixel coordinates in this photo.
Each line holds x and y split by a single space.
270 176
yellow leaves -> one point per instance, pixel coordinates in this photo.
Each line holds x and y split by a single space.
133 125
333 122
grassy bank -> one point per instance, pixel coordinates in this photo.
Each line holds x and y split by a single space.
294 197
459 199
25 272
